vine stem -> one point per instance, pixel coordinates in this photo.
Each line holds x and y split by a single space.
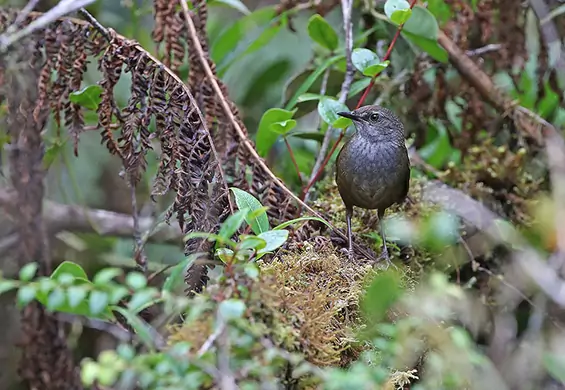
361 101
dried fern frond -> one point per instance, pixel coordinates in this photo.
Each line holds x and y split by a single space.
233 147
188 165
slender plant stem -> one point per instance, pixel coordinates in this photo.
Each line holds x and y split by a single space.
293 159
359 104
346 8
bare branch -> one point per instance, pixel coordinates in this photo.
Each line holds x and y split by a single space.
60 217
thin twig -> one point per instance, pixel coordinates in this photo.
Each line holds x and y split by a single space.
116 330
138 252
485 49
227 378
21 17
64 7
211 340
321 161
103 30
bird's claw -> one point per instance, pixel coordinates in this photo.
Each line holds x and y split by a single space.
385 256
348 252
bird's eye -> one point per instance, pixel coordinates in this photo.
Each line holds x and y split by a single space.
374 117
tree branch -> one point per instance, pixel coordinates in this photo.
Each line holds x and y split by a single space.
530 123
59 217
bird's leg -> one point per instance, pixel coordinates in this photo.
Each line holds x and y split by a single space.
348 215
384 254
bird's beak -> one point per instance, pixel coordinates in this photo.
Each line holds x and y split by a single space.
349 115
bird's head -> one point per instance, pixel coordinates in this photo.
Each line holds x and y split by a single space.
376 123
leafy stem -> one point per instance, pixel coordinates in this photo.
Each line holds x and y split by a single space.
361 101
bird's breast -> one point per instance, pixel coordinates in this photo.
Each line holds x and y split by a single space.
372 175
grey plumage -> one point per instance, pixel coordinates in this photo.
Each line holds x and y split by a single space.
373 168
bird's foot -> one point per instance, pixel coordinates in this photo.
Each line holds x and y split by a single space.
385 256
348 252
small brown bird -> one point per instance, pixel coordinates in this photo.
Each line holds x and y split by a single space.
373 168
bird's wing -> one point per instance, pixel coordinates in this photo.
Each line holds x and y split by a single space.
406 184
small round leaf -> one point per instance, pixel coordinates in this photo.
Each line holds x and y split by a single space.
328 109
231 309
396 10
28 271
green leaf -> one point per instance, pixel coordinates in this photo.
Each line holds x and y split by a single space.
300 219
141 328
251 242
266 36
53 151
258 223
235 4
28 271
26 294
311 80
225 254
555 366
321 32
227 42
306 97
422 23
118 293
177 273
439 230
430 46
98 302
401 16
266 138
209 236
66 279
398 11
252 270
141 299
380 296
88 97
367 62
359 86
231 309
422 30
56 299
136 280
438 151
232 223
46 285
68 267
328 109
274 239
76 295
309 135
283 127
105 276
7 285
